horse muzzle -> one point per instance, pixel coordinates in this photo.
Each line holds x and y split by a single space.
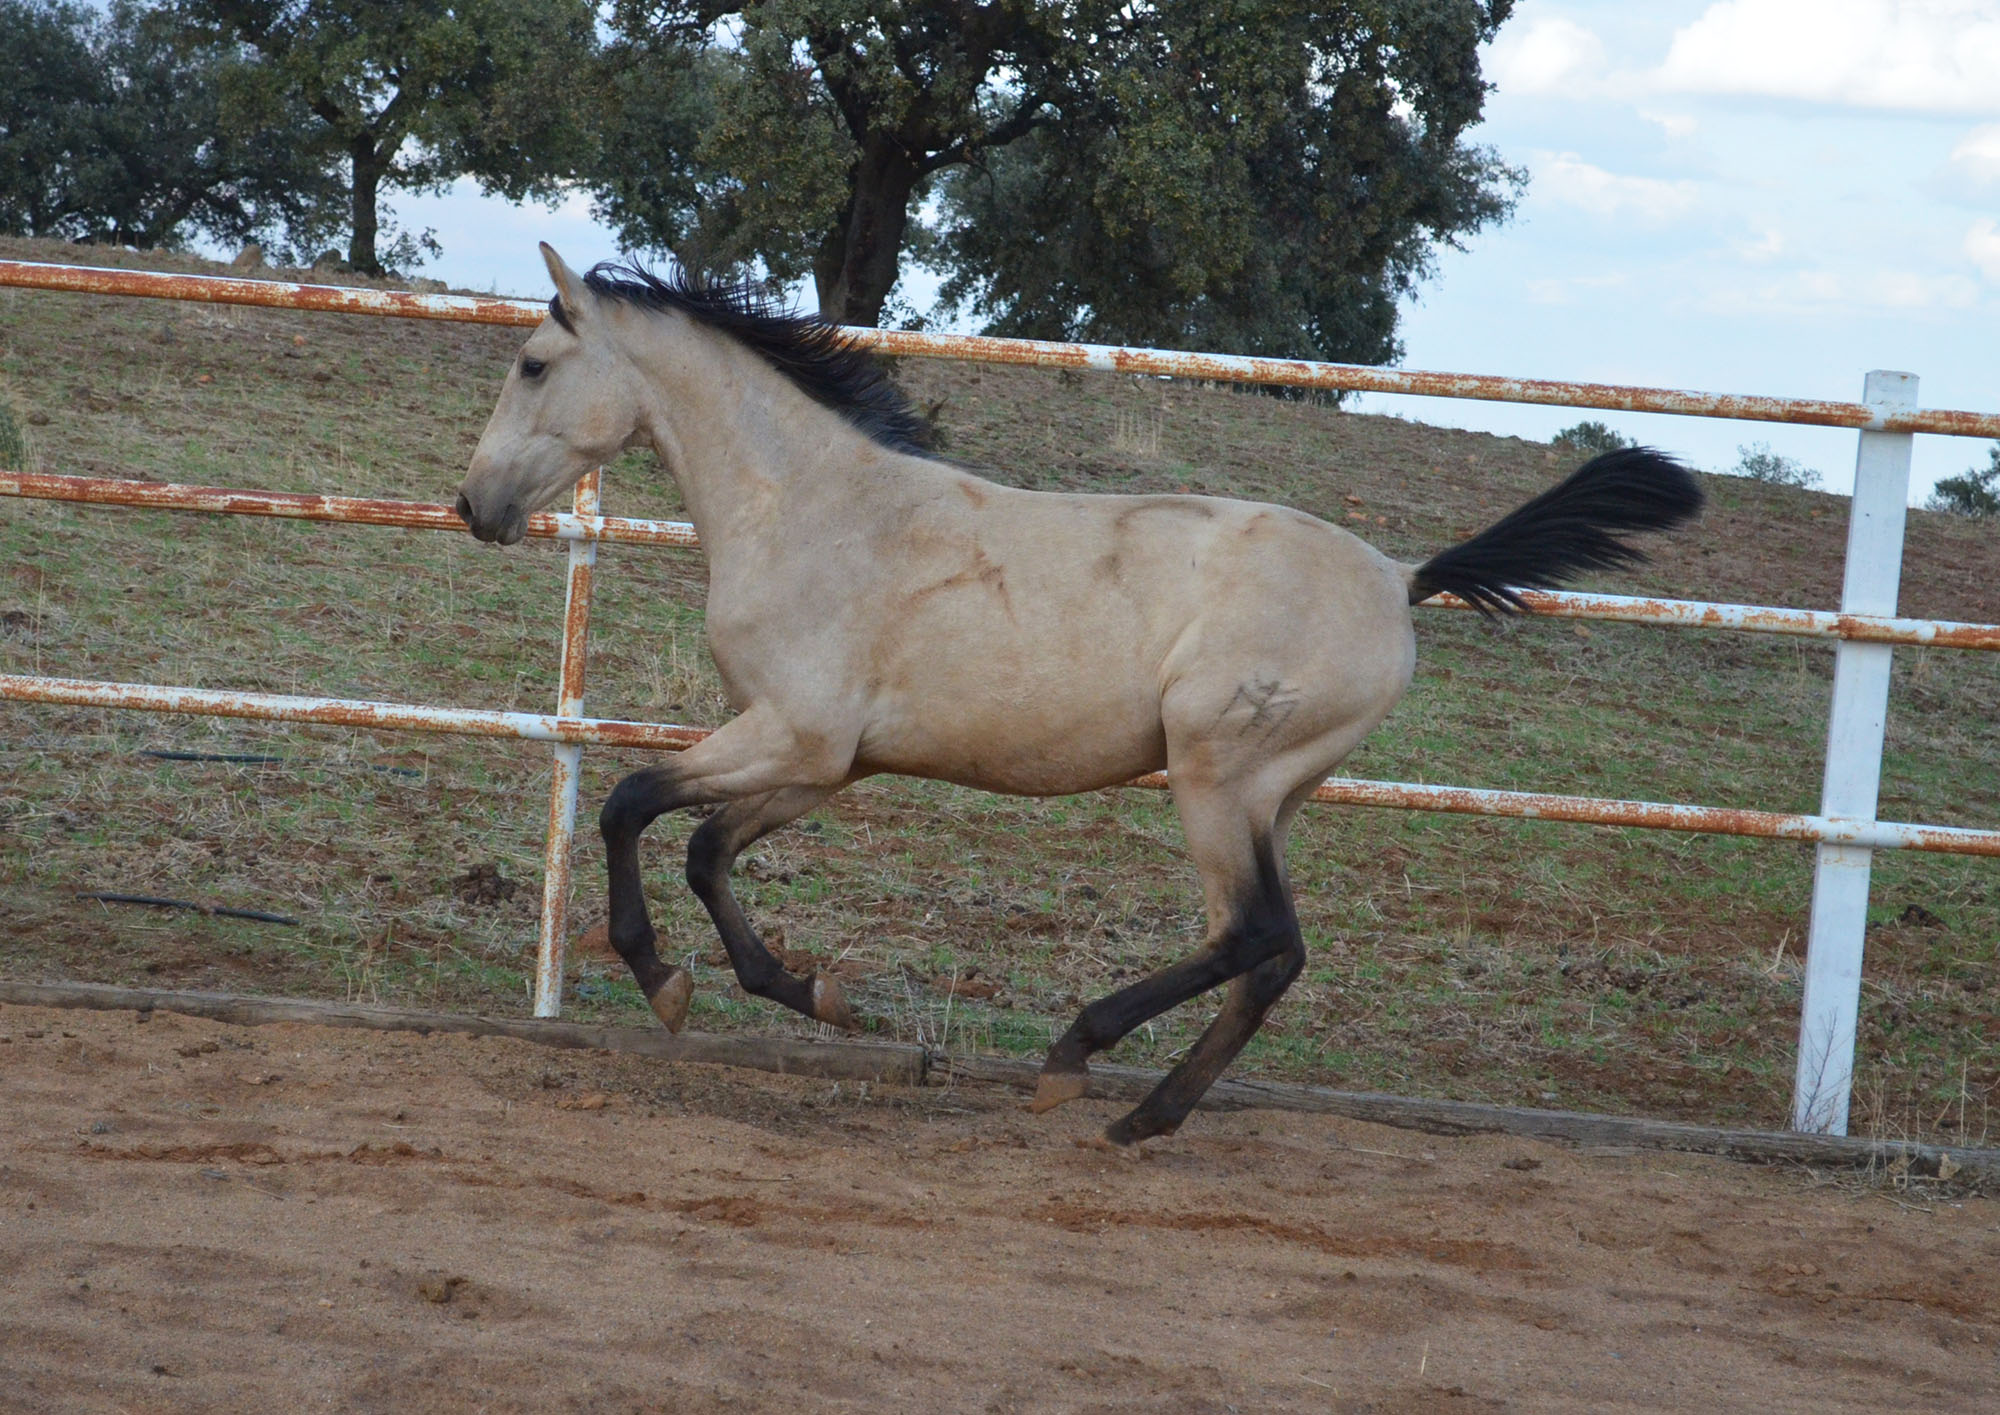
506 528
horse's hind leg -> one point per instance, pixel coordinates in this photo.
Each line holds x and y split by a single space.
1250 926
712 850
1250 997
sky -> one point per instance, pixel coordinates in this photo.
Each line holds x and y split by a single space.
1740 196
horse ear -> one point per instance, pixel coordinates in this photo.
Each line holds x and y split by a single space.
569 285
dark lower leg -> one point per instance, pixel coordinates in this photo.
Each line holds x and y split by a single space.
633 805
1250 996
1263 928
1066 1072
712 850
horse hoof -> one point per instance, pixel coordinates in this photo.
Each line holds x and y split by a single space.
1055 1087
830 1005
670 1000
1126 1132
1105 1145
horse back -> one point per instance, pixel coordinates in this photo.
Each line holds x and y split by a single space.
1026 641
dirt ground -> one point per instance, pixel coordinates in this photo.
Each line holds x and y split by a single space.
200 1217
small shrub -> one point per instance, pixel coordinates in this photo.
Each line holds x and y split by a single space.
1590 438
1759 463
1976 493
13 443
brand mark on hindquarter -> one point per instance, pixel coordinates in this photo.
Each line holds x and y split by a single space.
1264 705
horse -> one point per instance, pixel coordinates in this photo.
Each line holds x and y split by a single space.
874 608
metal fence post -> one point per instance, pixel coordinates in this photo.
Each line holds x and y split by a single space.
1855 727
568 763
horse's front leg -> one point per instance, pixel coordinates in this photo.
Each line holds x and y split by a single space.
751 758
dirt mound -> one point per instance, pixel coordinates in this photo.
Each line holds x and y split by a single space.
484 884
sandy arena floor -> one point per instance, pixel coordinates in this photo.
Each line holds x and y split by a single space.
201 1217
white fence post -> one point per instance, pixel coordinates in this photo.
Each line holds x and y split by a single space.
1853 780
568 764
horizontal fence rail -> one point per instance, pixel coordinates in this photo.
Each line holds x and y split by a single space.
1169 363
565 525
661 736
351 510
1845 832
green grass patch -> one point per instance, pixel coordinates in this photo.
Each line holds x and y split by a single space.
1511 961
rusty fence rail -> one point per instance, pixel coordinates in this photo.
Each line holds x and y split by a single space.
572 730
1167 363
626 530
1866 628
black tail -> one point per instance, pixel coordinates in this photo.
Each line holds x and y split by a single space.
1567 529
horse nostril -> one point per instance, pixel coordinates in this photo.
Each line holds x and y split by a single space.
464 509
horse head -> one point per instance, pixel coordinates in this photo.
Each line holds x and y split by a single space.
570 402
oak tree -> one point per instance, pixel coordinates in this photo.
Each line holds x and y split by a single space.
1262 176
411 96
803 135
1266 178
112 129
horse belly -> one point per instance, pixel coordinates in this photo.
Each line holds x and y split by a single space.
1017 731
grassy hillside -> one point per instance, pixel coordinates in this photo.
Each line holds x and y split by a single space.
1518 962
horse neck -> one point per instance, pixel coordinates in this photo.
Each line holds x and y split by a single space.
749 450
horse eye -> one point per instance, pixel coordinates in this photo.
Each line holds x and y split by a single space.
532 368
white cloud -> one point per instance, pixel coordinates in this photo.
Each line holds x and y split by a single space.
1909 290
1899 291
1939 56
1982 244
1567 178
489 242
1767 247
1551 56
1977 155
1675 125
1565 290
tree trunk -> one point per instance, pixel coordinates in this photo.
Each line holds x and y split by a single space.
860 258
367 181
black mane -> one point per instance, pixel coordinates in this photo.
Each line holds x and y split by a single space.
828 367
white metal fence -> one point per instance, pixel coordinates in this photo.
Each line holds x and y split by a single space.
1866 627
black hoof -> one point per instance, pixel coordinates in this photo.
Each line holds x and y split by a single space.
1139 1125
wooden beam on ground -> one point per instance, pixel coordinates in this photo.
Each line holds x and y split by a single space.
887 1062
1972 1167
896 1064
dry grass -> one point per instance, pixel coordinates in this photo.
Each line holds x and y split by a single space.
1490 960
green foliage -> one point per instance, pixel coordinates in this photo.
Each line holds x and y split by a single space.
1759 463
670 129
802 136
409 97
1590 438
1260 177
1975 493
49 87
112 128
1257 178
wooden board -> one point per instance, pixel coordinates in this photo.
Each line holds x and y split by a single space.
1977 1167
843 1061
897 1064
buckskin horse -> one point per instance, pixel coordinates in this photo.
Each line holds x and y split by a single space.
873 608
